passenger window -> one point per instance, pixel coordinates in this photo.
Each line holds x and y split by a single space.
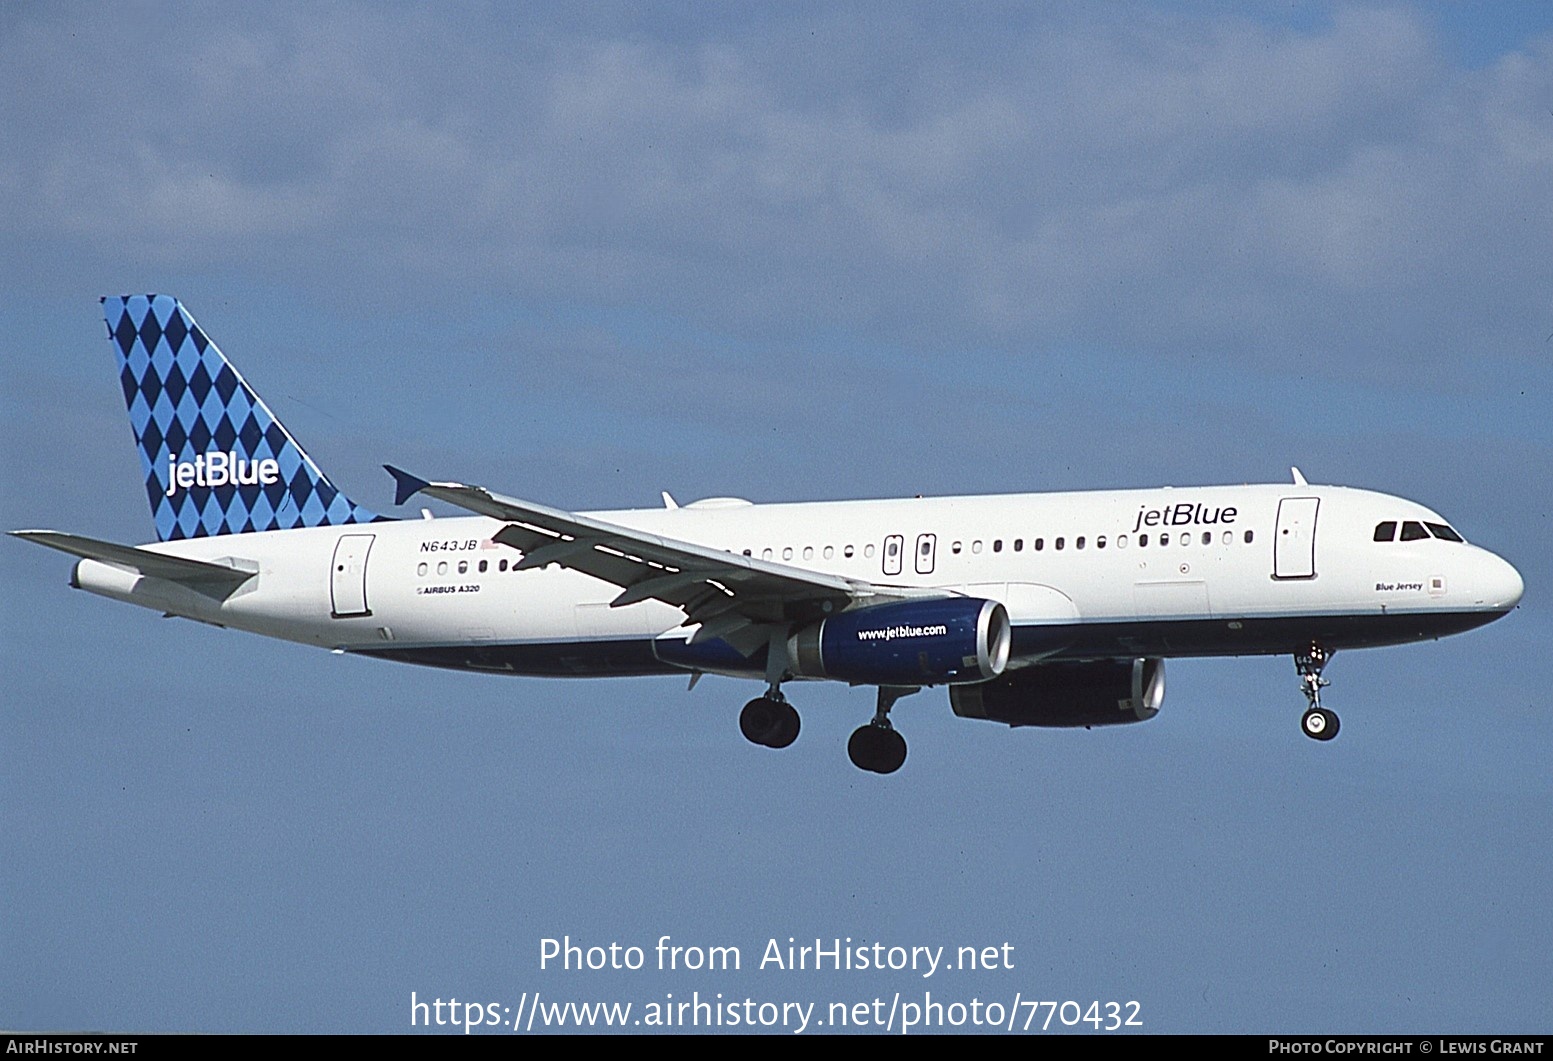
1385 532
1207 537
830 551
1442 532
955 548
501 565
1100 542
976 547
1058 543
787 552
868 551
484 566
997 545
463 567
1040 543
747 553
1229 537
442 567
1078 543
1412 531
1143 540
1248 537
421 570
1019 545
1186 538
1121 541
847 552
765 554
808 552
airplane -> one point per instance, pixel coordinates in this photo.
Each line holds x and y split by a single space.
1037 609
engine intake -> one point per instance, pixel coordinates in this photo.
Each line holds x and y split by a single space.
1106 693
928 642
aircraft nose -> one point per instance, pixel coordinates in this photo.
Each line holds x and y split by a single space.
1500 584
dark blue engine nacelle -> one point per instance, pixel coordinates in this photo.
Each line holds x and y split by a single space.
943 641
1102 693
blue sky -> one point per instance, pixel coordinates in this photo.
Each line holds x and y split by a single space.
585 254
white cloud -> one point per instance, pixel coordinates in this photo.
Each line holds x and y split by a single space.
1152 182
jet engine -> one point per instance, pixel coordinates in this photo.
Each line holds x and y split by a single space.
942 641
1104 693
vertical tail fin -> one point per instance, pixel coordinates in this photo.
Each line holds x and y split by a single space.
216 460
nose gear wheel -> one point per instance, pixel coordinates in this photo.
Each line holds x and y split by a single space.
1318 723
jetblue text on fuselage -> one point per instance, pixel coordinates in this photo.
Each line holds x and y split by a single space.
1186 514
220 469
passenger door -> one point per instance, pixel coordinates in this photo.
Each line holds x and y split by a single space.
1294 540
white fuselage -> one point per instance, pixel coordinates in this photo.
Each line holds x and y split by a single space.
1163 572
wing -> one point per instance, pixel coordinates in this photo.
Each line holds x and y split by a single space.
727 593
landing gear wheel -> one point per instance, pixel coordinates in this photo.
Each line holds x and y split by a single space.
786 730
1320 723
860 747
769 722
757 719
876 749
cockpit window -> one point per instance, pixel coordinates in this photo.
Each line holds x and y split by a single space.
1444 533
1385 532
1413 531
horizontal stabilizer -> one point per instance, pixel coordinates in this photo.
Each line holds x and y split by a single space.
155 565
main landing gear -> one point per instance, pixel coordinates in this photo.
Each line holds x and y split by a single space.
769 720
876 746
1319 723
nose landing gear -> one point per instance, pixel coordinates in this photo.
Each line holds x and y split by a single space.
1319 723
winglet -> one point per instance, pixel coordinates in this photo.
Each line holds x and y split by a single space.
1299 480
406 485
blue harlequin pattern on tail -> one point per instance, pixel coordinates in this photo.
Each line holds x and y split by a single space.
216 460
